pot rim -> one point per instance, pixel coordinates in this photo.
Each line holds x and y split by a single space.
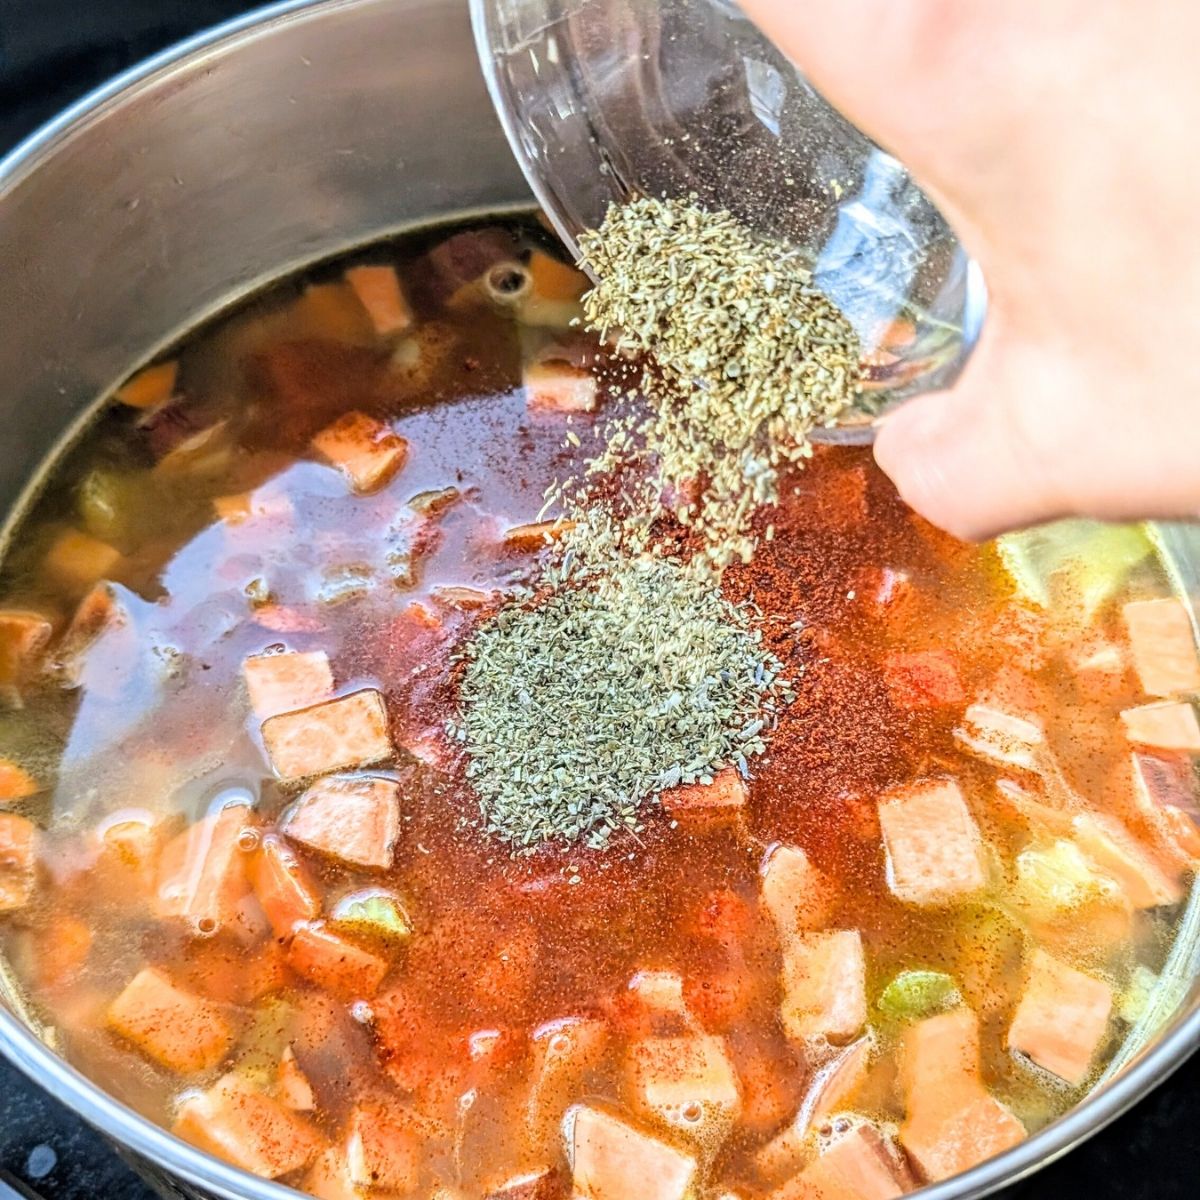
25 1050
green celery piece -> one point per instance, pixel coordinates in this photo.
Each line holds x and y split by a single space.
266 1037
916 994
374 912
1074 562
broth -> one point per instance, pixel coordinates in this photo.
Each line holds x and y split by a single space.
413 1010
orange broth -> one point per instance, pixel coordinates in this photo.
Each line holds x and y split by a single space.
200 526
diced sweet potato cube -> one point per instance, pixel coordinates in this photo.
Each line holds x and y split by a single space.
952 1122
240 1124
612 1160
61 952
202 871
824 986
923 679
333 313
280 683
23 638
536 536
554 386
653 1004
329 1177
554 279
77 560
688 1083
1062 1018
18 860
366 450
1168 726
935 854
1001 737
768 1081
1164 792
723 799
1163 646
151 386
793 891
563 1052
543 1184
1098 668
351 731
378 290
858 1165
225 970
1116 852
182 1031
15 782
384 1148
331 962
831 1090
283 886
354 818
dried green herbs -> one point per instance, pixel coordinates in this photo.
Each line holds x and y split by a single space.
628 677
749 356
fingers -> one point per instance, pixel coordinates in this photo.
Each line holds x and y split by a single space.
1027 435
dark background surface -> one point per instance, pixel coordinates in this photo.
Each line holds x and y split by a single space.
53 51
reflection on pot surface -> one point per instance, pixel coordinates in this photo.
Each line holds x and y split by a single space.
248 882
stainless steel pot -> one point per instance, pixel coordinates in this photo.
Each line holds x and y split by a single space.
273 141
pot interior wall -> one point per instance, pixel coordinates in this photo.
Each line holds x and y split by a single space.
208 177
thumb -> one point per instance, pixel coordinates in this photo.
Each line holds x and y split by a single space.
1031 433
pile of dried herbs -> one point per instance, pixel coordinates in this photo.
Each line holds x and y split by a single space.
623 673
622 677
748 357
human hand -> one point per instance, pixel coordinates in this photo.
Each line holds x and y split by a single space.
1059 139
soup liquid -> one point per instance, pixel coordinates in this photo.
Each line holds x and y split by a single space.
147 721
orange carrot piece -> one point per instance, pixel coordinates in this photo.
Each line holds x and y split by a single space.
329 1177
334 313
283 886
858 1165
952 1122
340 967
935 854
151 386
554 279
723 799
1163 646
202 871
291 1084
793 891
1062 1018
182 1031
15 782
23 638
555 386
1117 853
353 818
367 452
613 1160
18 860
383 1148
824 986
77 560
224 970
61 952
1168 726
242 1125
653 1005
536 536
379 292
280 683
351 731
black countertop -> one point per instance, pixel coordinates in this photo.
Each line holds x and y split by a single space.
51 52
